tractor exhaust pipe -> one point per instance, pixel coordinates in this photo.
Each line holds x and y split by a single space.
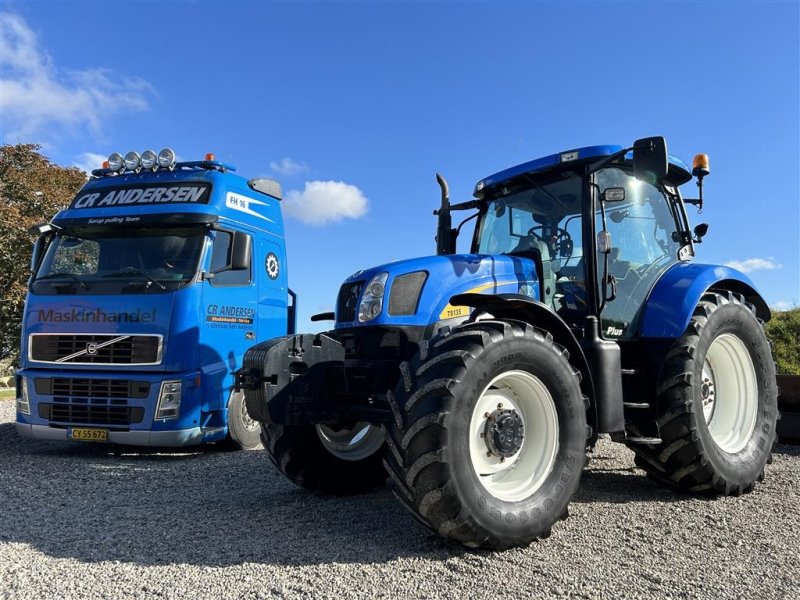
445 235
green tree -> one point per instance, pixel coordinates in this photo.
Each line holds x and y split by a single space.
783 331
32 190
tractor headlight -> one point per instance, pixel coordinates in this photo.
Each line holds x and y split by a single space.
372 298
169 400
23 400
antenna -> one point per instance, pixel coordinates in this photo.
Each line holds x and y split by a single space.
519 143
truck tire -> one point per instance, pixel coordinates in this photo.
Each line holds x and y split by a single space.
716 403
325 460
489 434
243 431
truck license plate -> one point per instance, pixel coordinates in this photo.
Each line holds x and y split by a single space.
88 435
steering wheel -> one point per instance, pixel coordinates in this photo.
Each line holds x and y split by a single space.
561 241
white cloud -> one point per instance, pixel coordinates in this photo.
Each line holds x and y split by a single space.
89 161
323 202
36 98
753 264
287 166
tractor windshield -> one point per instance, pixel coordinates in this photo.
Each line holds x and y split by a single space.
538 218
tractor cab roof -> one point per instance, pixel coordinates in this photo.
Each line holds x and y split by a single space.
678 173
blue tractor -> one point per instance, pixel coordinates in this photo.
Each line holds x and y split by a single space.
477 382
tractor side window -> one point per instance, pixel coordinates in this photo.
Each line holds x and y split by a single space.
220 256
643 244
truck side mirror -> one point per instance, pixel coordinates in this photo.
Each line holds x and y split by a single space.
241 251
38 250
650 159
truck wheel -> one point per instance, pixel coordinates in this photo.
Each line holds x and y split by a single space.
244 431
717 403
489 434
327 460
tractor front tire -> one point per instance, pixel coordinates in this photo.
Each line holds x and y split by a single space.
717 403
488 440
326 460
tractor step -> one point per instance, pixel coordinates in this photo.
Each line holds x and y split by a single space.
636 405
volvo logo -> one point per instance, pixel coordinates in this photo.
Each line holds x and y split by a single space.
91 348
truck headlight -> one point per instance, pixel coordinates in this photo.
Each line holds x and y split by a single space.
372 298
23 401
169 400
149 160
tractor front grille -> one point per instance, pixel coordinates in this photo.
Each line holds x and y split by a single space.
347 303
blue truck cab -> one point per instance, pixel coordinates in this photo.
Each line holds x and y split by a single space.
144 295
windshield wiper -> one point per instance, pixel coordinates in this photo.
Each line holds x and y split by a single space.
135 271
72 276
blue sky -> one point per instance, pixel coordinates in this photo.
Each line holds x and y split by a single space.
355 106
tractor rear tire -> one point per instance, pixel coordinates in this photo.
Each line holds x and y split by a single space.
489 433
310 457
717 403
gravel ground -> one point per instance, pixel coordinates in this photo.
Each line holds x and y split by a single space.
84 521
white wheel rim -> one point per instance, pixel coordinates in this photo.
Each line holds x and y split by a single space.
358 443
518 476
729 393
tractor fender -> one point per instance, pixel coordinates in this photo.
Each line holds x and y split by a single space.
524 308
676 293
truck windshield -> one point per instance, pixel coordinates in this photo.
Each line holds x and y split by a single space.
120 260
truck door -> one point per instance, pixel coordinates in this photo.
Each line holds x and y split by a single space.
230 325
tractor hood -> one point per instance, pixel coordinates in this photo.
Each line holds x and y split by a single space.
417 292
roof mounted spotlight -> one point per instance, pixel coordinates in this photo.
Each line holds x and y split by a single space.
133 161
149 160
115 162
166 159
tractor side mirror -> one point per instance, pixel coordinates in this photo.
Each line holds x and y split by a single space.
700 231
650 159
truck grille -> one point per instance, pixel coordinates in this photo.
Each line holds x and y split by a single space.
67 387
347 303
91 401
98 412
109 349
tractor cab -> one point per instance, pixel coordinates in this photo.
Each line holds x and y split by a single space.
601 233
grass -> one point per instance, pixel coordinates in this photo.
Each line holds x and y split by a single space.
7 394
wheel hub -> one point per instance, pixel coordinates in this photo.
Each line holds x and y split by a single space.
504 432
708 393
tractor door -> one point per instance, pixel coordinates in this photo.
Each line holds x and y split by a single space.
644 242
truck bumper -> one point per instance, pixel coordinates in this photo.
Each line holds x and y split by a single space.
175 438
